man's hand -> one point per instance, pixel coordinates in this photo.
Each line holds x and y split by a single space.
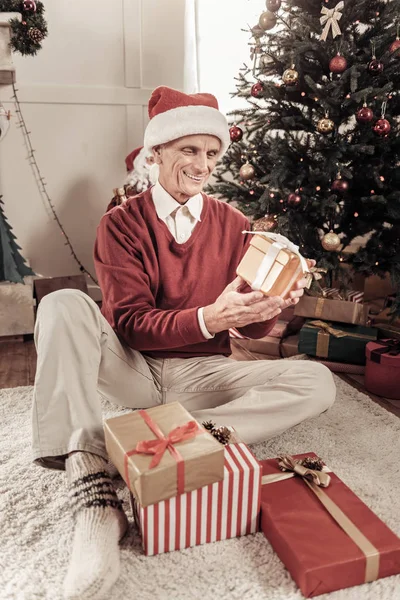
236 308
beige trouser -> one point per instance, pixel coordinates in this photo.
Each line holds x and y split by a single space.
80 358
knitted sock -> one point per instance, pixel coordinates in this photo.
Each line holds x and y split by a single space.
99 525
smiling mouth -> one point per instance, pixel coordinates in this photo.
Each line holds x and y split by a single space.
194 177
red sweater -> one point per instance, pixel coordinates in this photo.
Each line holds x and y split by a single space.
152 286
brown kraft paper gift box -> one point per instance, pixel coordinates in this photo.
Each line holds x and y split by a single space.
202 455
340 311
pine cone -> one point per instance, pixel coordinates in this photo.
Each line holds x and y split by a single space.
221 434
310 462
35 35
209 425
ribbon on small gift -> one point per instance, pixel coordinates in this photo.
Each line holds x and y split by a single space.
315 480
331 17
325 331
391 347
163 443
279 242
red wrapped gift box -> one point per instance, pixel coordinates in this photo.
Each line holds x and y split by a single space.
222 510
317 552
382 371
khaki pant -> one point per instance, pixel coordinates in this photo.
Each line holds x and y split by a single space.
80 358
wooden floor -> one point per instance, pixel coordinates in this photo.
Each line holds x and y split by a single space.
18 367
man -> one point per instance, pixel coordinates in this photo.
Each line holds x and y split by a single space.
166 263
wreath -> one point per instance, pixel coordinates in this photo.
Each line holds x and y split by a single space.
27 33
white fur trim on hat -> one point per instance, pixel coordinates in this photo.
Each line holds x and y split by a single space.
187 120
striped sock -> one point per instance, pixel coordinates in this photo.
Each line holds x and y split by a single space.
99 525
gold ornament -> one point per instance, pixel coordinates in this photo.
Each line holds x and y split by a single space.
267 20
330 241
325 125
290 76
247 171
267 223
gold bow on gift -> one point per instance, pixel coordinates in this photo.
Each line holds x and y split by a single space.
313 275
315 480
325 327
288 463
331 18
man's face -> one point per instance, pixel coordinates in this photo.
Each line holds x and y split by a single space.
186 164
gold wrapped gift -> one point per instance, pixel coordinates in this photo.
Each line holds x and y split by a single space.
272 264
162 452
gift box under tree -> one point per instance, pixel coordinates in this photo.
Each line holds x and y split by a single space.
222 510
337 341
382 372
162 451
325 535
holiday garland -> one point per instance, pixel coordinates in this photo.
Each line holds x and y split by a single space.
27 34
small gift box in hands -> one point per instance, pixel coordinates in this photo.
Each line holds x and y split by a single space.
272 264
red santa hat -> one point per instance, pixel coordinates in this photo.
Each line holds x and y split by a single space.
130 159
174 114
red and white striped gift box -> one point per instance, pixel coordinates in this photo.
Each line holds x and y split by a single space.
349 296
221 510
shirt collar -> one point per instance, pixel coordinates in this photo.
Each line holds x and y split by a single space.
165 204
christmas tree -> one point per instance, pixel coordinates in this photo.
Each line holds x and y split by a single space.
315 153
12 264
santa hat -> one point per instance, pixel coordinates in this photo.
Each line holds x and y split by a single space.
130 159
174 114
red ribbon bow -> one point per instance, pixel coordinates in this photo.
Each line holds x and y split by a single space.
161 444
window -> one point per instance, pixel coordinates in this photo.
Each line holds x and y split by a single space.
222 46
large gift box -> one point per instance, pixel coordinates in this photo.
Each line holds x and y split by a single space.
327 537
382 372
271 264
162 452
342 311
343 343
227 509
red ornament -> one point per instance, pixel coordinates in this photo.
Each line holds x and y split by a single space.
273 5
294 199
364 114
375 67
338 64
257 89
394 46
236 133
29 5
382 127
340 185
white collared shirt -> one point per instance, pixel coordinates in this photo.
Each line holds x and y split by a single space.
180 219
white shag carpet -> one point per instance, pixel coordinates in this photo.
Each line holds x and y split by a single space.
357 438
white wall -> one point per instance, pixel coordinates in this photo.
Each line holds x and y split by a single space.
84 99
